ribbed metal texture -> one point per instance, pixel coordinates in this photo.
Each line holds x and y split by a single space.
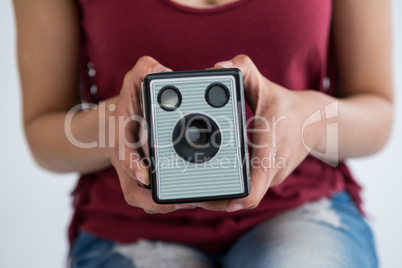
181 179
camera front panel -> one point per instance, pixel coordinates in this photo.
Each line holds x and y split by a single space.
197 140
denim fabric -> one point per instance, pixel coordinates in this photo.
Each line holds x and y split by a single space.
328 233
90 252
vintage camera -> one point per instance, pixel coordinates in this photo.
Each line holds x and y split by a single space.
196 135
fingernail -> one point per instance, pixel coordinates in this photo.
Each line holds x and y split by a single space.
225 64
159 68
235 207
198 205
181 206
145 176
140 177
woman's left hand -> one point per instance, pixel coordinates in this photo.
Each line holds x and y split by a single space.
276 143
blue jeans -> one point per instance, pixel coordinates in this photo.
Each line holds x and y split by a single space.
328 233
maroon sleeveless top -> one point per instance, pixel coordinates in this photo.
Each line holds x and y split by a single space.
289 42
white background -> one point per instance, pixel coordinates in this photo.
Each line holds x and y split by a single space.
35 204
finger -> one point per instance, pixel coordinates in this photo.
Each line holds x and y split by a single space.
136 195
214 205
132 81
144 66
252 77
127 149
256 88
143 134
261 173
127 124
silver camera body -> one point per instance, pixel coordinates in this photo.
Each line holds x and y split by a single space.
196 135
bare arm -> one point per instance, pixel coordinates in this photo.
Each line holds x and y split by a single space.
48 55
362 36
362 33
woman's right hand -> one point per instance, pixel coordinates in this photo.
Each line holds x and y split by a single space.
126 155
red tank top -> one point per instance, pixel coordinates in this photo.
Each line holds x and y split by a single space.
289 42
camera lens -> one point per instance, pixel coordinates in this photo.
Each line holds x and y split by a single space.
217 95
169 98
196 138
196 134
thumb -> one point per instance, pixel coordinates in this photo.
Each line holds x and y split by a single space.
252 77
145 65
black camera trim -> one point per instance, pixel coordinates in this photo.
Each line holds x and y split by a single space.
236 73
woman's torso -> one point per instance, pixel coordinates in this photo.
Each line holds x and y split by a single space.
289 42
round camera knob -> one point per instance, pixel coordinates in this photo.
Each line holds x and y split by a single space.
169 98
217 95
